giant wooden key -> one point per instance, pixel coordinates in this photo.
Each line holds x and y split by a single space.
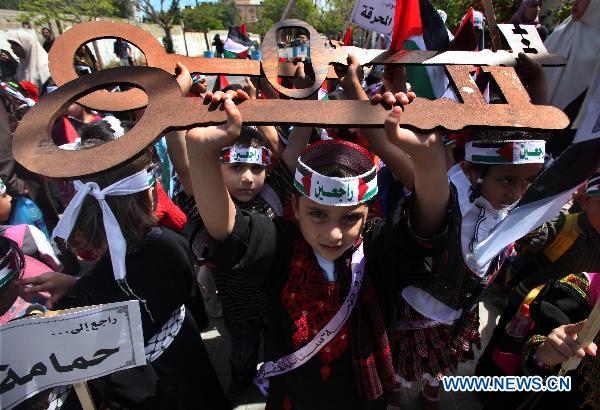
322 54
167 109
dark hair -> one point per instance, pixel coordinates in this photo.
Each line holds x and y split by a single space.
374 76
134 213
251 137
100 132
496 134
482 170
232 87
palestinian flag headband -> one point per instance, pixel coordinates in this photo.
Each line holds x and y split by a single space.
247 155
506 152
335 191
593 186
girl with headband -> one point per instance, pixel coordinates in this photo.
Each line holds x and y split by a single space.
437 318
111 220
258 182
328 277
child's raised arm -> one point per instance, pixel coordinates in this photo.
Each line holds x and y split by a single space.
394 157
176 139
432 190
203 148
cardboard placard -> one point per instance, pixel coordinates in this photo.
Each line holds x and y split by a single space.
42 352
376 15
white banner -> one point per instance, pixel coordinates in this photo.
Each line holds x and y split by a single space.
588 120
376 15
81 344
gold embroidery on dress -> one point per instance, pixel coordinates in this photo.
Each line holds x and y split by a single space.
590 372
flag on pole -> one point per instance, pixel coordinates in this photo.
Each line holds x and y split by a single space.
237 43
464 38
555 185
418 26
348 37
220 83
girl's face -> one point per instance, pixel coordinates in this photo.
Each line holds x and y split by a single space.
329 230
4 57
533 10
591 207
79 245
504 185
243 181
17 49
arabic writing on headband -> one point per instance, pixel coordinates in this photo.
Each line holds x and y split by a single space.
238 156
89 326
12 379
334 193
525 153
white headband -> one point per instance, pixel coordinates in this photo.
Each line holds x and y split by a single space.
115 124
593 186
117 245
506 152
335 191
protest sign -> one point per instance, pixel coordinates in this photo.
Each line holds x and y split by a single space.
39 353
376 15
588 121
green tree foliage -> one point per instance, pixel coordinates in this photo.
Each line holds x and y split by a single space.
204 17
271 12
124 8
166 15
10 4
230 14
74 11
456 9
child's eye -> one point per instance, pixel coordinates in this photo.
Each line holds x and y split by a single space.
235 167
352 218
257 169
317 214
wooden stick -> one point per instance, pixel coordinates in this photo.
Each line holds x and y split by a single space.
288 10
491 18
585 337
84 396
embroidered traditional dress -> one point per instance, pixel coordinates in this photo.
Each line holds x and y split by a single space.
563 301
437 319
356 364
545 254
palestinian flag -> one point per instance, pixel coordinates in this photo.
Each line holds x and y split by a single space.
464 38
348 37
418 26
220 83
554 186
237 43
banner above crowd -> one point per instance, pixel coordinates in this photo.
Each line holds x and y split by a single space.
376 15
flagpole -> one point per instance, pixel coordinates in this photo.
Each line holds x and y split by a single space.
288 10
488 7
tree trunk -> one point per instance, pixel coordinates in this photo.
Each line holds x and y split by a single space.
168 41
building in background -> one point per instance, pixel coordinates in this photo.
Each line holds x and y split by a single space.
248 10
